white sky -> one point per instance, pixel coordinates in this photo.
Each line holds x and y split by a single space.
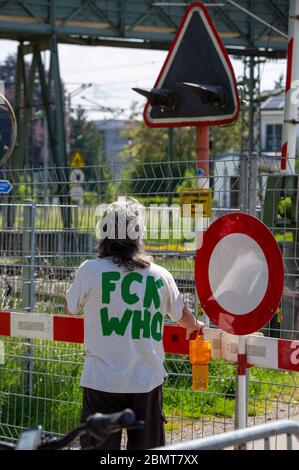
114 71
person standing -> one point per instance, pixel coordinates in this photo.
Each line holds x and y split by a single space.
125 298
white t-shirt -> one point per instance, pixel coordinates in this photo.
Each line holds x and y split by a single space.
123 323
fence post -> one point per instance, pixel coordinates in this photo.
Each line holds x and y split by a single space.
253 172
241 388
243 186
28 285
248 185
248 188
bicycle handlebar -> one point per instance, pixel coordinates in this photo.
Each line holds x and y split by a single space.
98 426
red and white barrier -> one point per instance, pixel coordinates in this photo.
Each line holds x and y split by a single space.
261 351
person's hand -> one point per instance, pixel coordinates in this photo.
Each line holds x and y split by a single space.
189 322
193 331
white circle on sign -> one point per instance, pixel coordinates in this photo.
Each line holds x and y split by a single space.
77 176
238 273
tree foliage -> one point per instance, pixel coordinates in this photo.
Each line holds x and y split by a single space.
151 146
86 138
225 139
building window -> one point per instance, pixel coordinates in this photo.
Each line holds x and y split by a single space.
273 137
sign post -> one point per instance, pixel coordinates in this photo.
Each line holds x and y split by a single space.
195 87
202 156
202 152
239 280
77 178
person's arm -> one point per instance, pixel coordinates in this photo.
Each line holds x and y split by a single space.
189 322
66 310
76 294
177 311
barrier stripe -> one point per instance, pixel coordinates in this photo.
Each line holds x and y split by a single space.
261 351
68 329
284 153
288 354
31 325
174 340
5 323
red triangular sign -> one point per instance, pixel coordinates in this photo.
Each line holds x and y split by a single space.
197 56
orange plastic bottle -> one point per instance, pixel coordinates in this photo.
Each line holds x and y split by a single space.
200 352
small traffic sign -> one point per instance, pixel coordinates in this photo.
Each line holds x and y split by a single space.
239 273
77 176
197 84
200 172
196 196
77 160
5 187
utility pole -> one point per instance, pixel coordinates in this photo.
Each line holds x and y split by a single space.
71 95
169 160
46 161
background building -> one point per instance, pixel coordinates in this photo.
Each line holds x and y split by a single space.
113 141
226 190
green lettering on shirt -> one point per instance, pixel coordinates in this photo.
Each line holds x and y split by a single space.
139 324
119 325
156 326
126 295
151 292
144 323
108 285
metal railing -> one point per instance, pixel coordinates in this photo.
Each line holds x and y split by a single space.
240 437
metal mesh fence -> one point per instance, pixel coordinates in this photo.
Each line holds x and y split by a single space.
43 242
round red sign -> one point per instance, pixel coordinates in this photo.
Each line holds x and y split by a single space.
239 273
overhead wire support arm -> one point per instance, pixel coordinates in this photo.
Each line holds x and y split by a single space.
249 13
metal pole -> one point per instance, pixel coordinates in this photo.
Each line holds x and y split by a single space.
243 203
247 204
242 385
28 285
250 207
46 161
251 104
202 149
289 133
28 293
253 173
169 160
242 379
202 156
248 189
252 169
243 186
